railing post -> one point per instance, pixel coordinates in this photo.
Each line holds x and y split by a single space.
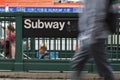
33 45
19 50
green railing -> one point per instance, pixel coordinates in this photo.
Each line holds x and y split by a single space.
62 48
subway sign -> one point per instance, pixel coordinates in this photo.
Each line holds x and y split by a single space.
58 27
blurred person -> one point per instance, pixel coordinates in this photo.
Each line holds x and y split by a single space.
93 34
1 43
9 43
42 52
59 1
28 44
77 46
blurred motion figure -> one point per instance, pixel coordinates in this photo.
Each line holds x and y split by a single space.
93 33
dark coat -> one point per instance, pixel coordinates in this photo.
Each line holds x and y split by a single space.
45 56
92 22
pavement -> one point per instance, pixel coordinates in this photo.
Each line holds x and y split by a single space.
48 76
30 79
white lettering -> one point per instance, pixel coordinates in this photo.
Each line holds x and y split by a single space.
34 25
48 25
56 25
27 23
42 24
62 25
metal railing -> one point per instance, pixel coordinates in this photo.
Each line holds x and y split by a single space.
61 49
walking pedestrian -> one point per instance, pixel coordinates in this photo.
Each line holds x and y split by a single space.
93 34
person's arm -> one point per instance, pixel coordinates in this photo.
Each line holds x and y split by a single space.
12 44
2 41
13 50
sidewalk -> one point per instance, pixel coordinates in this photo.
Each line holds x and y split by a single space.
48 76
30 79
